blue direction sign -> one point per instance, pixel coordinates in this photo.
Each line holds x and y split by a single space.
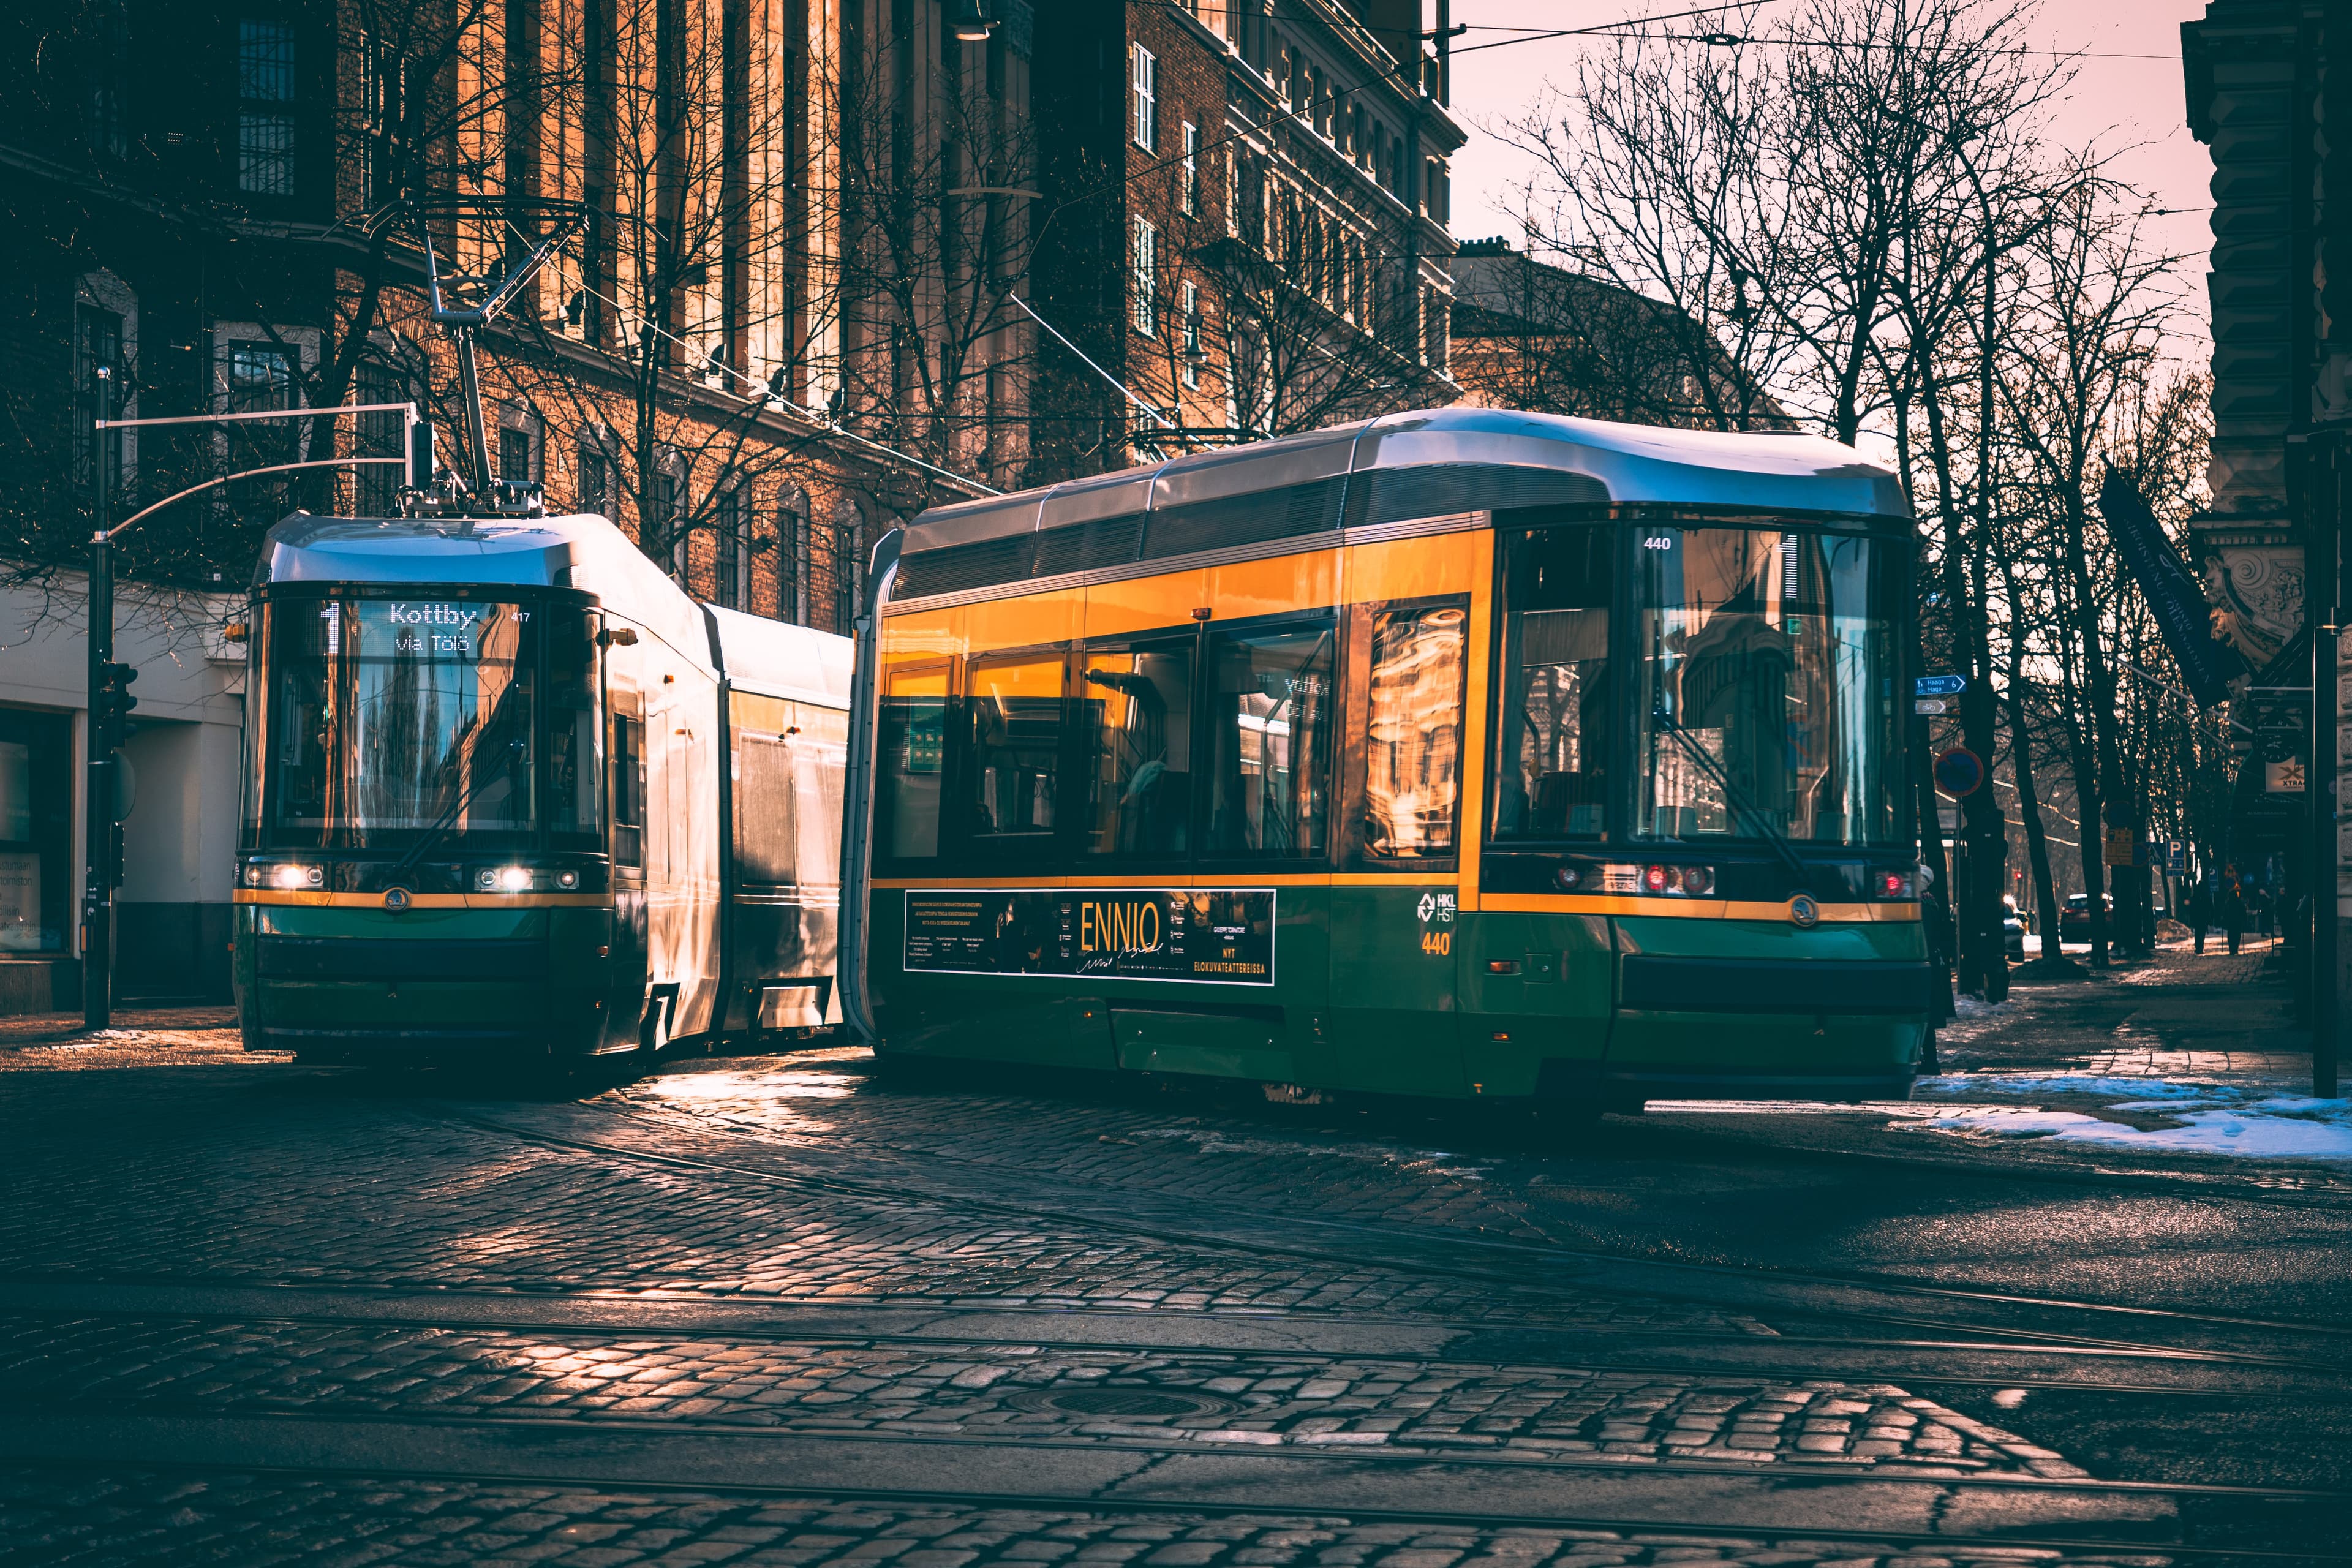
1940 685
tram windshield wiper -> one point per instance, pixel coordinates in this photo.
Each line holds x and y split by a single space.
1731 794
442 823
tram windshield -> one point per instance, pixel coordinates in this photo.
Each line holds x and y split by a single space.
394 719
1765 685
1754 671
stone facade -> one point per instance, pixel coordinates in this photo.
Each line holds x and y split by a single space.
2265 79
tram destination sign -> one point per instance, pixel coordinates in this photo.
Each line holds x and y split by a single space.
1200 936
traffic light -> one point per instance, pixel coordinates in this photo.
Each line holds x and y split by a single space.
420 455
112 719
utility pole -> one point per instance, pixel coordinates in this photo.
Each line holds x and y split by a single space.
2323 492
98 793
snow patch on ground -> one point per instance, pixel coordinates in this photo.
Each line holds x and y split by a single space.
1977 1007
2212 1118
2061 1082
2232 1132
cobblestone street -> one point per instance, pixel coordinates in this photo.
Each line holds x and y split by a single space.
774 1309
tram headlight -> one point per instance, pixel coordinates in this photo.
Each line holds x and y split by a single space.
503 878
288 876
1653 879
567 880
1698 880
1894 884
1568 878
1689 881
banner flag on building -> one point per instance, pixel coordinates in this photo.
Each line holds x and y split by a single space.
2171 591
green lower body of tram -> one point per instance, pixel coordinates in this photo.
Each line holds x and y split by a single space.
475 985
1392 990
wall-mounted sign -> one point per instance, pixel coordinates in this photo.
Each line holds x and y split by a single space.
1940 685
2283 777
1202 936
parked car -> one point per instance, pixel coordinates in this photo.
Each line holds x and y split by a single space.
2012 935
2075 920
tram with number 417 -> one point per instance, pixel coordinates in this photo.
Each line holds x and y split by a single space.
510 793
1464 754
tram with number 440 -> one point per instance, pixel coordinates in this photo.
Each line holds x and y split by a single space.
1465 753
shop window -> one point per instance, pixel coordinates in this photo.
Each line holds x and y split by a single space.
1268 746
36 831
1137 708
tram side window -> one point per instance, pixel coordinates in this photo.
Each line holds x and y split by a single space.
628 789
575 748
1414 671
1268 748
1013 706
912 737
1138 707
1553 775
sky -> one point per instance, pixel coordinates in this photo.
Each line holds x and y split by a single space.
2135 107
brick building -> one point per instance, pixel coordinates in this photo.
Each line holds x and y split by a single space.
1247 229
754 357
1528 335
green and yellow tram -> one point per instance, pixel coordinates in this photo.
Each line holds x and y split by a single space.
1455 753
512 792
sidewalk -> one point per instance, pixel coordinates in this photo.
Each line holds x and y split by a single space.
2183 1054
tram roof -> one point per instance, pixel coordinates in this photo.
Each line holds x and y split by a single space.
578 550
1600 460
537 551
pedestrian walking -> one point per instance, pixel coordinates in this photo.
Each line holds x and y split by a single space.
2201 909
2233 907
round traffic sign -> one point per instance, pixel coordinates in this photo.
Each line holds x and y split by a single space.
1960 771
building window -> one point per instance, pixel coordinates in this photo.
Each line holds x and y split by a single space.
792 559
598 493
377 488
260 378
734 561
668 523
265 122
848 566
1192 356
1188 191
514 456
1146 129
382 100
1147 256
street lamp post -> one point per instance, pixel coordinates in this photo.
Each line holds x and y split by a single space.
98 791
107 695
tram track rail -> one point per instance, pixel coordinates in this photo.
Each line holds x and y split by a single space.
80 1299
2185 1184
2182 1521
870 1189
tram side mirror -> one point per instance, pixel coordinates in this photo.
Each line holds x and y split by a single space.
617 637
